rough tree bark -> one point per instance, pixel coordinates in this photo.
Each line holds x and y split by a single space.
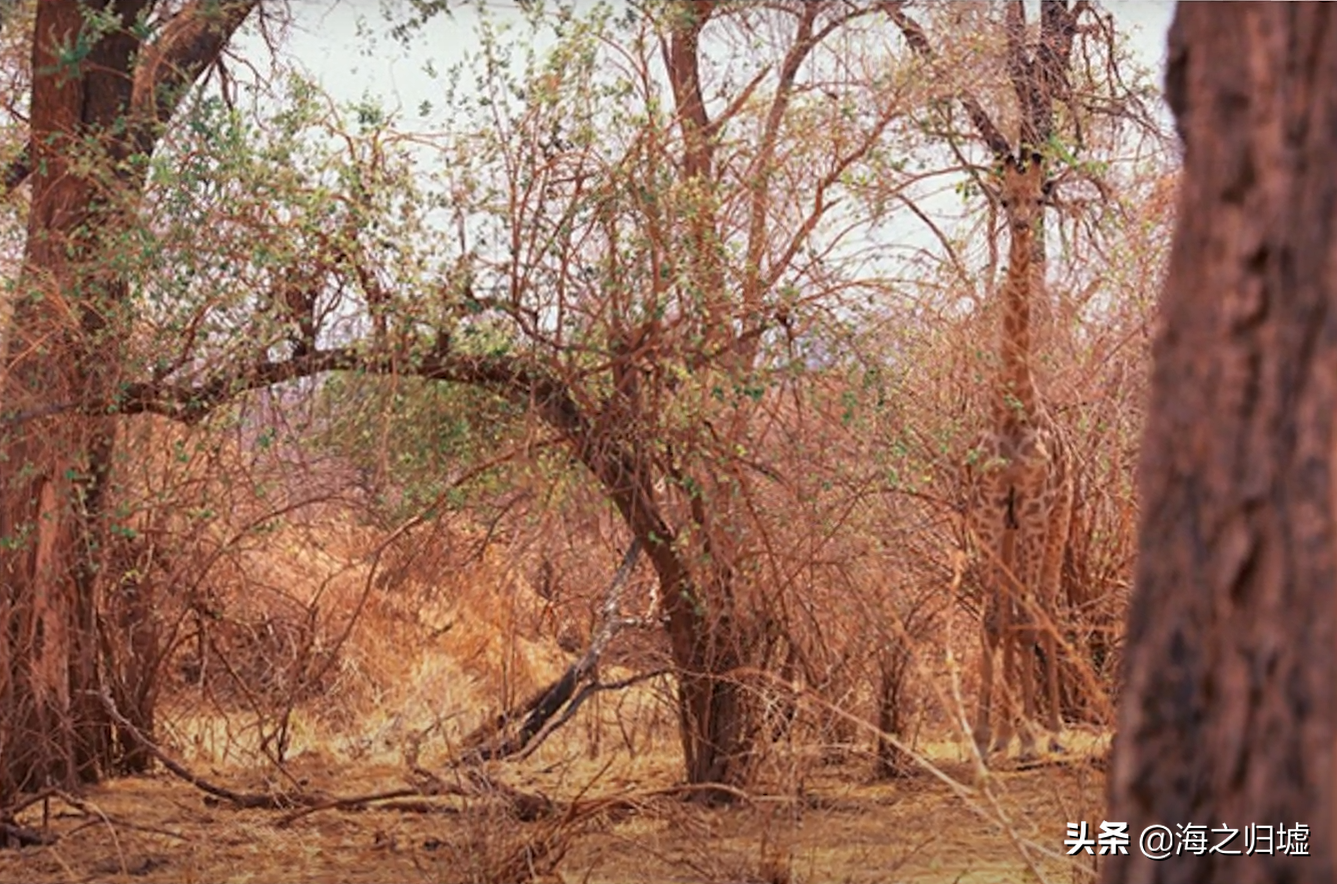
1227 715
100 96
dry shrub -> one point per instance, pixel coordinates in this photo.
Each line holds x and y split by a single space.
490 846
273 599
846 570
269 655
253 585
865 577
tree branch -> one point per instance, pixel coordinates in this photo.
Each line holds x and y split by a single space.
190 403
16 172
546 703
918 42
190 41
760 172
685 80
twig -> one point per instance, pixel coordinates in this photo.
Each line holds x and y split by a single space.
8 813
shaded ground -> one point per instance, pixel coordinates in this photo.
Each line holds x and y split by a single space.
839 827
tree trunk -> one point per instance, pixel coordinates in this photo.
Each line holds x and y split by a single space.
716 737
1227 715
893 710
707 646
90 114
704 636
53 730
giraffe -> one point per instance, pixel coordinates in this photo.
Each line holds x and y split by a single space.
1022 494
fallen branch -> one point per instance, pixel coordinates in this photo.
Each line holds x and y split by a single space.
247 800
14 835
540 708
585 693
523 804
356 802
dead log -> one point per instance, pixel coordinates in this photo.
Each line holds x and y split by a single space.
490 741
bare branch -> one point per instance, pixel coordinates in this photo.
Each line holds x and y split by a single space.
760 170
918 42
539 710
256 800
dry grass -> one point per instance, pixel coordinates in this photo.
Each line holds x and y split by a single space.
417 647
841 828
407 687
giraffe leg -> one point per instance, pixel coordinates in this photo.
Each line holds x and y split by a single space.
1003 737
1050 646
1005 627
988 646
1028 716
1050 580
1026 637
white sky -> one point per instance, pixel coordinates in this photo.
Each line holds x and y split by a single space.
325 39
345 45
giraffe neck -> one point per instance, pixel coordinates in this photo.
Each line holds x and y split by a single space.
1016 397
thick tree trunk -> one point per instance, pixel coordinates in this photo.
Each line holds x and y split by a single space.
704 636
52 729
89 115
707 649
1227 715
713 714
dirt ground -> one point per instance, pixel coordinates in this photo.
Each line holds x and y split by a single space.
839 825
816 813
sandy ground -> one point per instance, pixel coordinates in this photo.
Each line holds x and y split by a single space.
840 825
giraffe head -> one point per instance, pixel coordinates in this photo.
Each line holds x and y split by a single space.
1023 191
